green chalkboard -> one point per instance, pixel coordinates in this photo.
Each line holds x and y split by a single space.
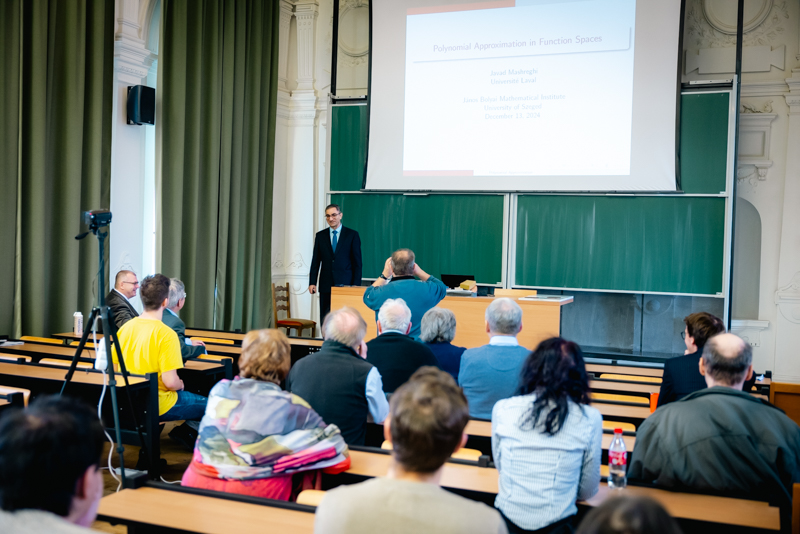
704 142
451 234
663 244
348 147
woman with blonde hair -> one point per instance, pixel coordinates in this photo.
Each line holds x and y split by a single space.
254 436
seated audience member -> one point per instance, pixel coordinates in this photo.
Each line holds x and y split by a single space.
426 425
397 281
626 514
720 439
546 441
681 376
437 330
50 478
177 298
395 354
150 346
118 299
336 381
491 372
258 436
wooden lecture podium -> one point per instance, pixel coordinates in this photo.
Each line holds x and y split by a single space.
541 319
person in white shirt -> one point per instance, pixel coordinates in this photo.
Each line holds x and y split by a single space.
546 442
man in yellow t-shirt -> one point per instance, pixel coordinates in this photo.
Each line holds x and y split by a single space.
150 346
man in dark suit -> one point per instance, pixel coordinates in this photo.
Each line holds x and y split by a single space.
394 353
682 375
338 250
175 301
118 299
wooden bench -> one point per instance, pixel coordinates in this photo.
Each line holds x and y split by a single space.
190 511
692 506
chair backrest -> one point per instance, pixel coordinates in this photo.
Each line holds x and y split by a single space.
65 363
460 454
611 425
88 344
217 340
281 302
787 398
631 378
620 398
26 393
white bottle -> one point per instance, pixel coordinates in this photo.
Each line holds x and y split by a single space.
77 323
617 462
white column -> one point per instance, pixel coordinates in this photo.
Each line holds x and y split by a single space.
132 62
283 44
787 298
306 13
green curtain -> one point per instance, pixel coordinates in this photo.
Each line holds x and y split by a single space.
218 73
58 64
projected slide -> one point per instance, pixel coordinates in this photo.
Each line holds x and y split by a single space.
519 88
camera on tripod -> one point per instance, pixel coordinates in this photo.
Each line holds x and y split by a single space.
96 219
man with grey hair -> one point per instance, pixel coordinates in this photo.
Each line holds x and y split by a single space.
337 382
398 281
396 355
491 372
175 302
721 439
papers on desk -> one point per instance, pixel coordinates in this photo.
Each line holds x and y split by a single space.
546 298
461 293
11 343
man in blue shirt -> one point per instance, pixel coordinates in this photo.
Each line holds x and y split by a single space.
397 282
491 372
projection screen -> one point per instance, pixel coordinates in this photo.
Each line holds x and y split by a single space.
523 95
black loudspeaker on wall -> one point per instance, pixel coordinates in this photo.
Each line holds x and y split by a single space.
141 105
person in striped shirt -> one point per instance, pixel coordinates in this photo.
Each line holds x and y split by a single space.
546 441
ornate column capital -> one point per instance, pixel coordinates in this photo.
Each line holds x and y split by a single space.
132 60
793 98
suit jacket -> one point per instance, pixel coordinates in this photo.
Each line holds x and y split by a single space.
175 322
340 269
120 308
397 356
682 377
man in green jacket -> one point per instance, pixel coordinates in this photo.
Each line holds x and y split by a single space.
721 439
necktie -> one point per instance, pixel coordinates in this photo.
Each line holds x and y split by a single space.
335 241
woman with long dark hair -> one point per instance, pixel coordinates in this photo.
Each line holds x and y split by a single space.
546 441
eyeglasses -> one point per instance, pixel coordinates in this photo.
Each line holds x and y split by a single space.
683 334
332 216
132 283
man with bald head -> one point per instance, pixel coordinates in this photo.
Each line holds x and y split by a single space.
396 355
397 281
721 439
337 382
119 298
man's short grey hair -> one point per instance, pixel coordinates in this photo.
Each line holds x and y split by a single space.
726 366
438 325
394 315
177 291
346 326
504 316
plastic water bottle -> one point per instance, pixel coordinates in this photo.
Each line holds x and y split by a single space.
617 462
77 323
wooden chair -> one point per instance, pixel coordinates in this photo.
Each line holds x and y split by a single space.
787 398
620 398
48 340
216 340
289 322
26 393
310 497
631 378
611 425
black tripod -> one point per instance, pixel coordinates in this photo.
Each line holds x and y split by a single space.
110 331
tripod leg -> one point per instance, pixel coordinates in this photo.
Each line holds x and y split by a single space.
112 385
74 364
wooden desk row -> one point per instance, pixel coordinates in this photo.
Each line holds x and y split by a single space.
189 512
